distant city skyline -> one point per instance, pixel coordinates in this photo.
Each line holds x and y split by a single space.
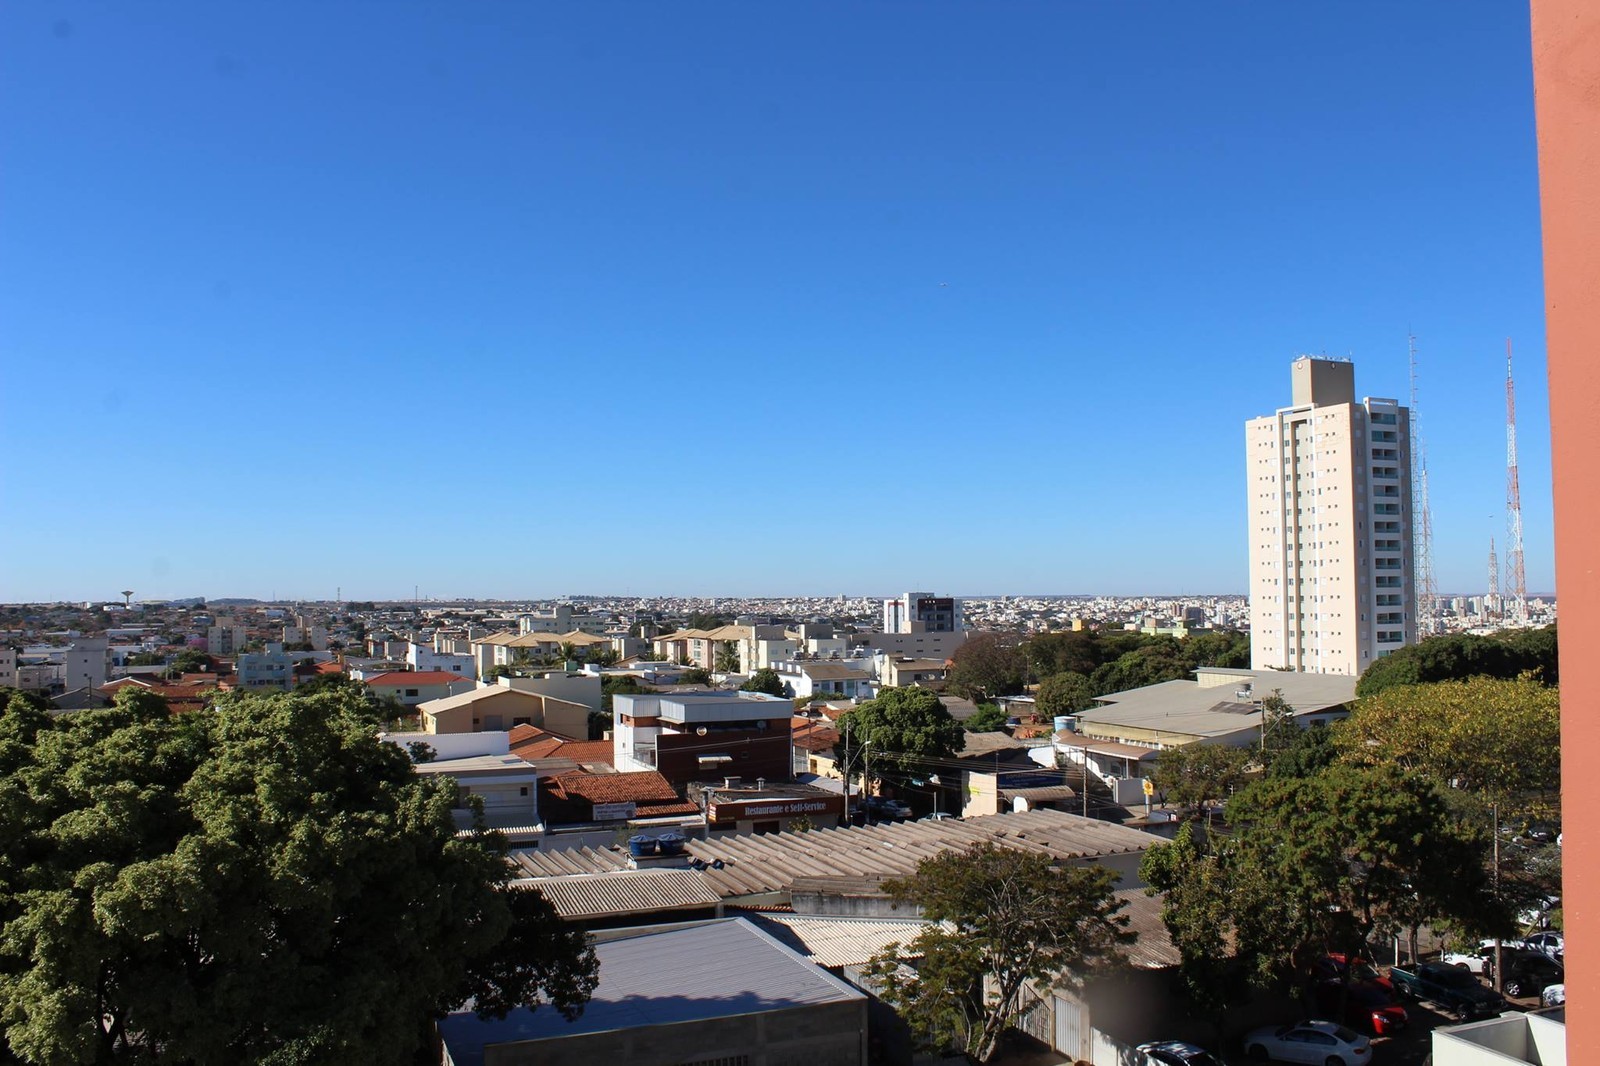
736 299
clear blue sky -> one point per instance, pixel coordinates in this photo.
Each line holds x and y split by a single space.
528 299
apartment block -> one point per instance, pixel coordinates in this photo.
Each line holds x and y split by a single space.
922 612
1331 577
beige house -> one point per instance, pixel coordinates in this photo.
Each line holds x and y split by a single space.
500 707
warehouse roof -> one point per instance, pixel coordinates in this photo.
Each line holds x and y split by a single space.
1218 703
761 864
839 941
606 895
687 973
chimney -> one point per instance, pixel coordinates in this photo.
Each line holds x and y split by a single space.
761 784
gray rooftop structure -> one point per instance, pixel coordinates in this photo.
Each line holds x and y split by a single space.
769 865
619 893
1218 703
663 976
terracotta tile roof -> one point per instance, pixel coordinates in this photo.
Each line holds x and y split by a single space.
416 678
331 667
582 751
532 743
820 739
521 734
638 786
575 793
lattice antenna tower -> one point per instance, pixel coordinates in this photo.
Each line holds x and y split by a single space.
1427 590
1493 603
1516 579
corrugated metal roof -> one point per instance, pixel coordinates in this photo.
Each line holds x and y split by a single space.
560 862
1154 948
839 942
1187 708
718 969
753 865
606 895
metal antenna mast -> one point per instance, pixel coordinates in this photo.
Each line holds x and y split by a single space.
1516 580
1493 603
1427 591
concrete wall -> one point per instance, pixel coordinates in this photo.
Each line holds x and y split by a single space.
1510 1038
833 1034
455 745
577 688
1566 87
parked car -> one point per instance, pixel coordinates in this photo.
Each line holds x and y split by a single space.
882 809
1451 987
1322 1043
1472 961
1176 1053
1331 967
940 816
1554 996
1526 972
1549 944
1368 1006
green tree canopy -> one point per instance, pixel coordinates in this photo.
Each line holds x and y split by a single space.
986 666
1197 893
1160 659
1498 739
764 680
263 881
1323 863
1065 693
1199 775
989 719
1000 920
726 660
189 661
902 727
1458 656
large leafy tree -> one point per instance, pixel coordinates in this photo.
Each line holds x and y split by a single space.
1498 739
1158 659
1064 693
764 680
901 729
1198 894
1199 775
1000 921
264 881
1350 853
986 666
1315 864
1459 656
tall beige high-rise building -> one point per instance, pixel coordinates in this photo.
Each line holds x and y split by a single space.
1330 526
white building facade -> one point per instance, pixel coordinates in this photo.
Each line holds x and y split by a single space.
1331 575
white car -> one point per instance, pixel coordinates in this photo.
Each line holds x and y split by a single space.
1551 945
1475 961
1321 1043
1553 996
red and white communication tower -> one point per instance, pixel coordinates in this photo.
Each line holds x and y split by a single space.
1516 579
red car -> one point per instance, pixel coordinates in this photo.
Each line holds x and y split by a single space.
1369 1004
1367 1007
